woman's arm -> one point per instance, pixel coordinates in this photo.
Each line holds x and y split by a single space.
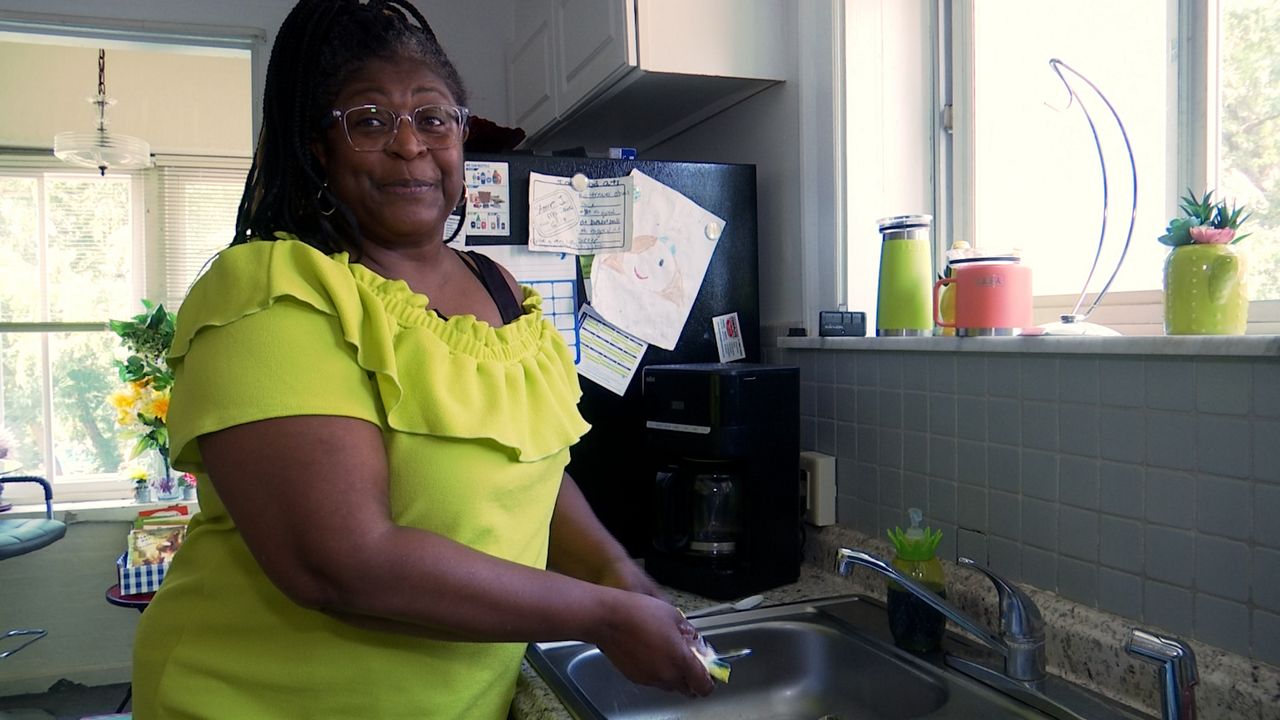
309 496
581 547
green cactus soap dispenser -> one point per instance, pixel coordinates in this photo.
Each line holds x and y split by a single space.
915 625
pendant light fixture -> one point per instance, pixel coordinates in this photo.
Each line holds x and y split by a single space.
99 148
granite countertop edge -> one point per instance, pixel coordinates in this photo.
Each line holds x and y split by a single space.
1083 644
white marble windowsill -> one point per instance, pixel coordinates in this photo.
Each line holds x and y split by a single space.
1183 345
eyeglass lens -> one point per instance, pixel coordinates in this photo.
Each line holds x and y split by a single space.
370 127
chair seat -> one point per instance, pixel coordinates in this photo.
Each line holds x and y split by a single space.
18 537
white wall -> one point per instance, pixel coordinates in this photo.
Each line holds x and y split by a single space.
179 103
474 33
790 133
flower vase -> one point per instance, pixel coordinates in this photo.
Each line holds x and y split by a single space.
166 483
142 494
188 493
1205 292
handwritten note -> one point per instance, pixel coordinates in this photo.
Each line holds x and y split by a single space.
592 217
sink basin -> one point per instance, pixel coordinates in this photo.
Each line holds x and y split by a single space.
823 660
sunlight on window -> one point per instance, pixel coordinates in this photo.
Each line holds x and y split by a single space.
85 440
1249 132
19 250
1038 183
21 409
89 233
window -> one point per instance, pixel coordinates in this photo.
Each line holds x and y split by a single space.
78 249
74 253
1015 165
196 218
1036 181
1245 150
68 242
1189 81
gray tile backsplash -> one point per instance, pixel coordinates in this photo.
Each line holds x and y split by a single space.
1120 592
1148 487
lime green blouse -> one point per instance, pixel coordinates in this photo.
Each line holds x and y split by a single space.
477 423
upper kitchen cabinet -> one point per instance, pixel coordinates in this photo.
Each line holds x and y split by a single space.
633 73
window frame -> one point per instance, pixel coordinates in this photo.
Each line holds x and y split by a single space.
97 486
148 278
124 31
1196 124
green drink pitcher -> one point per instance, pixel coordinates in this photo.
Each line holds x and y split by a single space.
904 305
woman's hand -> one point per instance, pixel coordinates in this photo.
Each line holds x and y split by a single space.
625 574
649 642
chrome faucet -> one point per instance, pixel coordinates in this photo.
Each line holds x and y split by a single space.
1178 675
1021 638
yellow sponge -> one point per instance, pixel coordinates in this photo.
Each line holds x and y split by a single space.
716 668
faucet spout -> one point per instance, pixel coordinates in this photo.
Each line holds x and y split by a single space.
1023 651
1178 676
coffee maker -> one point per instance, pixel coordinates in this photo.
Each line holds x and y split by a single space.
724 442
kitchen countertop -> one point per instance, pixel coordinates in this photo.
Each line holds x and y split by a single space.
1084 645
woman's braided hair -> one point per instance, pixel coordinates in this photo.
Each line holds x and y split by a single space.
320 45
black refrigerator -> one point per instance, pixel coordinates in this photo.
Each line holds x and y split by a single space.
610 463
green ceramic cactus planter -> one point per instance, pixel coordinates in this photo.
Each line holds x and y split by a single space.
1205 291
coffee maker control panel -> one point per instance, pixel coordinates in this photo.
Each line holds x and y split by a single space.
697 398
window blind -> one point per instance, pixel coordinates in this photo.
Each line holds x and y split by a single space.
197 218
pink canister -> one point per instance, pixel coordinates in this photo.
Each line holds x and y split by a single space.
993 296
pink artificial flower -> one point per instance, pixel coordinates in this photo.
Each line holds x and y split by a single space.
1212 236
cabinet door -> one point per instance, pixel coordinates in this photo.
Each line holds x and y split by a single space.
592 44
532 95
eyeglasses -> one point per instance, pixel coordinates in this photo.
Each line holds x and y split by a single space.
370 128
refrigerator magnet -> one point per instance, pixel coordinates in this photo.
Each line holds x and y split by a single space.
728 337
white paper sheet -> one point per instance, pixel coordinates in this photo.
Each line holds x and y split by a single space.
649 289
609 356
593 219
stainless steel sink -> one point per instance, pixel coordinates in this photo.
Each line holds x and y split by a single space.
821 660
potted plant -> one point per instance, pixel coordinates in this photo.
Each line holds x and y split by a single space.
142 402
141 485
1204 276
187 482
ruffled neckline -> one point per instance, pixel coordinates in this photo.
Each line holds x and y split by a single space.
515 384
465 333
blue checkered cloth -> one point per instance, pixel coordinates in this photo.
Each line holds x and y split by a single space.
141 579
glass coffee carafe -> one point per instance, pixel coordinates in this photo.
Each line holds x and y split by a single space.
716 514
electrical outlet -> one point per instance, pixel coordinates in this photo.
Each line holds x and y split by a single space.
818 487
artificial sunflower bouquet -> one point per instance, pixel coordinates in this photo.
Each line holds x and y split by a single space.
142 402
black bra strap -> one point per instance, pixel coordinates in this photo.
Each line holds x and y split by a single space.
495 283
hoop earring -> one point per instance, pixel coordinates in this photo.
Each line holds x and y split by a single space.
321 196
461 211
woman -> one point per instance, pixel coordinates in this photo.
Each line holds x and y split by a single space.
383 423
